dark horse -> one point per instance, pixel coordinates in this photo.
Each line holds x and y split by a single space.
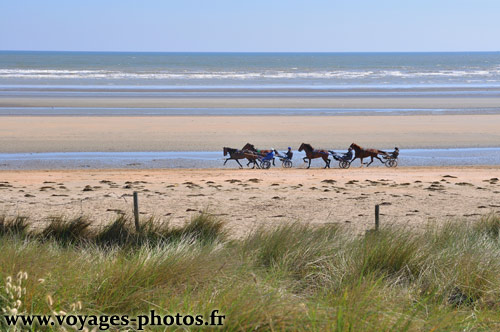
261 153
235 154
365 153
313 154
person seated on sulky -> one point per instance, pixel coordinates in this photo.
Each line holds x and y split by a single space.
395 153
348 155
289 154
269 155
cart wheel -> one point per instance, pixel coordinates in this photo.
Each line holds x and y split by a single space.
391 163
287 164
266 164
344 164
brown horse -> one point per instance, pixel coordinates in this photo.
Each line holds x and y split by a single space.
313 154
235 154
262 153
361 153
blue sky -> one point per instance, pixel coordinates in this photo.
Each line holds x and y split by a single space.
250 26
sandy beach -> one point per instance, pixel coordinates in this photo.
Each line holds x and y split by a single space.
246 199
358 102
211 133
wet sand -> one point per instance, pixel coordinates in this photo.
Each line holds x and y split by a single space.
215 159
211 133
357 102
246 199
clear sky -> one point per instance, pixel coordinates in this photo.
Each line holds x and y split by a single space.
250 25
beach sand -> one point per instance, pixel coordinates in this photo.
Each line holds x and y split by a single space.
211 133
358 102
247 199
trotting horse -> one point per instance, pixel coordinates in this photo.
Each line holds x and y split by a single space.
313 154
365 153
235 154
261 153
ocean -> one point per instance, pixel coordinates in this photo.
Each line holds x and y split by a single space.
343 71
97 75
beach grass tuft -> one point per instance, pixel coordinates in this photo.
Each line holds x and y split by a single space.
66 230
489 225
119 232
13 226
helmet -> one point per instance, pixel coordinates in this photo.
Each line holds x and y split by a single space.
289 148
272 149
396 148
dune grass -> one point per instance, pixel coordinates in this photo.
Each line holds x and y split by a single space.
13 226
295 277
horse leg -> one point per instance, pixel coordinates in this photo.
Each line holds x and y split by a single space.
254 162
369 162
304 159
226 161
251 161
273 162
239 163
327 162
361 159
309 166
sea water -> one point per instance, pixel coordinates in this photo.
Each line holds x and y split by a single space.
112 70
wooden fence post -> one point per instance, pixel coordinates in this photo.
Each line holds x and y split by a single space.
377 217
136 213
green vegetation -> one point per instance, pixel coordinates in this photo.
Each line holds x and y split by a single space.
295 277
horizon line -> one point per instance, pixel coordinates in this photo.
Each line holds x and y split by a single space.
247 52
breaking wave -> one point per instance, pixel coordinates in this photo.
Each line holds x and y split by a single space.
493 73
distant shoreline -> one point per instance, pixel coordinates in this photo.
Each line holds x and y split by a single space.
158 111
260 102
247 88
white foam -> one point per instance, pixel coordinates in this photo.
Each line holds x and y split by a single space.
244 75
